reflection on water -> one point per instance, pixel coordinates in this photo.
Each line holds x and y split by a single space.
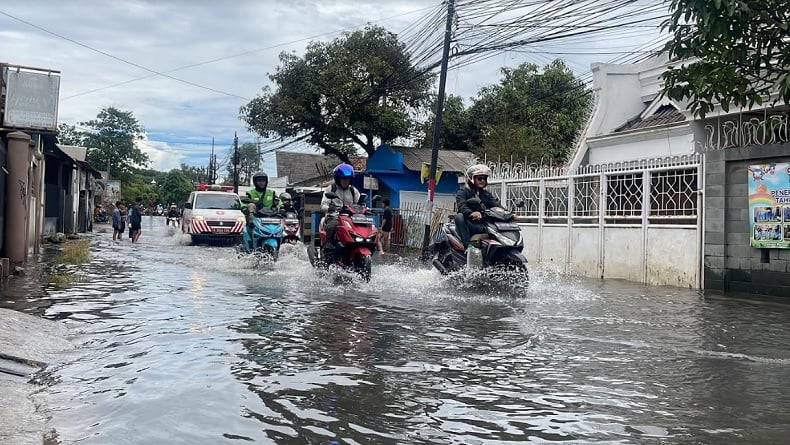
189 344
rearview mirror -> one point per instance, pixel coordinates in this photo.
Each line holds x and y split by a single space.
246 200
362 198
330 195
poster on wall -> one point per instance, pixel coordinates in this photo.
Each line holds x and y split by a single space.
769 206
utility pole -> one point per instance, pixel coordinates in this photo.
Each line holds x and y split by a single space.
211 164
437 128
235 163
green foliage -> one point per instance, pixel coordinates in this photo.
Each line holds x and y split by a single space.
354 92
529 115
250 163
732 52
196 175
110 143
174 188
456 131
69 135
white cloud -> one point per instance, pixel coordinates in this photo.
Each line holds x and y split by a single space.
242 38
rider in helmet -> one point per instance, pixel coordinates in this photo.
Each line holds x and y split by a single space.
342 187
469 219
261 196
286 202
173 212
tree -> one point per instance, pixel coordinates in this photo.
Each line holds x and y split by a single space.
529 114
110 142
69 135
456 129
195 175
731 52
250 163
175 187
354 92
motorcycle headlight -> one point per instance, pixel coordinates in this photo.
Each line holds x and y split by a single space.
359 239
509 240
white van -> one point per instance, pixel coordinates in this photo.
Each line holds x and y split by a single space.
213 216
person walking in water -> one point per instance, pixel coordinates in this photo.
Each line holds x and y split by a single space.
118 224
135 219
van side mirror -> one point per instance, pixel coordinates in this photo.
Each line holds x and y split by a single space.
187 205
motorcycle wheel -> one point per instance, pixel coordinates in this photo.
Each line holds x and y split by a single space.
362 266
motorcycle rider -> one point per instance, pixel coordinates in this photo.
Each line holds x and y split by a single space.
261 196
173 212
349 194
286 203
468 220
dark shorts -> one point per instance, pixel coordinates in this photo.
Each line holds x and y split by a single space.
134 227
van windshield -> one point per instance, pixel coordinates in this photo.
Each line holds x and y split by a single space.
219 202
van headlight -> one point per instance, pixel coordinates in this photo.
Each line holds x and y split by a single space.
198 218
240 219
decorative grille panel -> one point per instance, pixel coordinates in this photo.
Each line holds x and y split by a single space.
673 193
624 195
529 192
587 191
556 201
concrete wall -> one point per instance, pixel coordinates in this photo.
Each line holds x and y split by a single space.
654 255
730 263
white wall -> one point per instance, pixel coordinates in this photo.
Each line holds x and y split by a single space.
675 141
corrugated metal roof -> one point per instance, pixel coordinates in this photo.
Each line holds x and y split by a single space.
301 167
449 160
74 152
665 115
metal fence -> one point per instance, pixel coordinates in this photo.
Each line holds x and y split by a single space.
409 223
660 191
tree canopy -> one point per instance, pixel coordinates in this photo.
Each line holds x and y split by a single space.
354 92
529 115
110 141
249 161
736 52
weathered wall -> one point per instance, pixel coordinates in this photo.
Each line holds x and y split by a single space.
730 263
655 255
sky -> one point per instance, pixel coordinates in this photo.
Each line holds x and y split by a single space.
184 68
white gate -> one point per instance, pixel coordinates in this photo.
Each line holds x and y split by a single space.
637 221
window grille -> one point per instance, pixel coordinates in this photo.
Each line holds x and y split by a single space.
556 199
673 193
529 192
587 191
624 196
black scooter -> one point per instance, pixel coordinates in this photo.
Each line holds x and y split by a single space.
497 251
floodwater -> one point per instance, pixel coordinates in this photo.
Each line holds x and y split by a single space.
181 344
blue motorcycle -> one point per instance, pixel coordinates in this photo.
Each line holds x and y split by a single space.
265 236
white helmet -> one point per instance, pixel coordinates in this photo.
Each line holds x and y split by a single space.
476 170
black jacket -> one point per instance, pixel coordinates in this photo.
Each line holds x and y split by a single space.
486 197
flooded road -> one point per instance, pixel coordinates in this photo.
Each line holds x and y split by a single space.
182 344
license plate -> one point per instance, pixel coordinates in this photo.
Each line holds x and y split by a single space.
222 230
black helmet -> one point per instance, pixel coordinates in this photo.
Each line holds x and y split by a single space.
343 171
259 175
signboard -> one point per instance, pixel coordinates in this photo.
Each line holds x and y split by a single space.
370 183
113 191
31 99
769 206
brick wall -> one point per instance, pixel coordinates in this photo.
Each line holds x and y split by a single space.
730 263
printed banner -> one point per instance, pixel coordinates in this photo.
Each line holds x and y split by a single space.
769 206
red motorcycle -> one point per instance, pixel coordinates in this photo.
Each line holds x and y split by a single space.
356 236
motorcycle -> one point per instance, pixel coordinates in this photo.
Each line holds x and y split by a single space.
101 217
292 226
497 251
265 236
174 220
356 236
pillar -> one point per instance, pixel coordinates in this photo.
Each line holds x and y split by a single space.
17 197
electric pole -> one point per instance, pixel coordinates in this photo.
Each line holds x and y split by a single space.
235 163
437 128
211 164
